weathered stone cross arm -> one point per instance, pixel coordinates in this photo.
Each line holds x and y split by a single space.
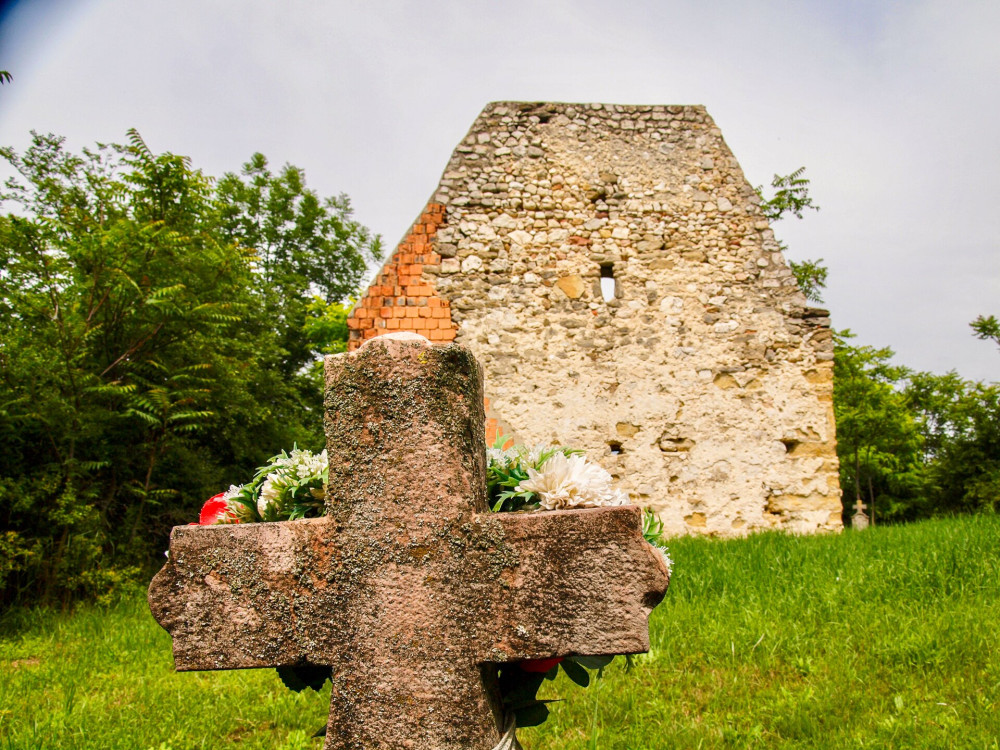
409 589
267 595
585 583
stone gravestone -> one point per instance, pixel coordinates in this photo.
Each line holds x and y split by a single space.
409 589
859 520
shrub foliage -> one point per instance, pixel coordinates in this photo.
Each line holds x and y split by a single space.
158 339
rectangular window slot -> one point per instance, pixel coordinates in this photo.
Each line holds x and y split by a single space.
607 281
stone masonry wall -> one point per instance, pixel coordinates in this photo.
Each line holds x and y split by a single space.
704 386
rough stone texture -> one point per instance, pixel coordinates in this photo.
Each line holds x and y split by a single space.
705 385
409 588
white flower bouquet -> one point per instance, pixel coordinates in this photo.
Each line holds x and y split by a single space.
288 487
546 477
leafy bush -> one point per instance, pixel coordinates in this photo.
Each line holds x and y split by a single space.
157 338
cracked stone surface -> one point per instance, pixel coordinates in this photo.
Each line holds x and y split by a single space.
409 589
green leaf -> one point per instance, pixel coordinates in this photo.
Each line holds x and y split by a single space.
306 676
575 672
652 526
592 662
532 715
517 686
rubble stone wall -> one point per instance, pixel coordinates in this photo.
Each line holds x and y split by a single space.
705 384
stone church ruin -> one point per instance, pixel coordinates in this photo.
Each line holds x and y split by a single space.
611 269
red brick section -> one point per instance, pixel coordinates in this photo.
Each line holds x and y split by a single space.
401 298
495 427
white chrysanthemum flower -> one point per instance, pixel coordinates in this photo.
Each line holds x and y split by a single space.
298 469
305 464
500 457
534 454
233 506
232 492
269 492
496 456
571 482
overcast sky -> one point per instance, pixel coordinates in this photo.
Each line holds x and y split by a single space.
894 108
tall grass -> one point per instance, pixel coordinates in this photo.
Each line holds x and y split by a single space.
877 639
886 638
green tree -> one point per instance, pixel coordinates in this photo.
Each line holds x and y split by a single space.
987 328
309 256
152 349
960 423
791 196
878 441
305 249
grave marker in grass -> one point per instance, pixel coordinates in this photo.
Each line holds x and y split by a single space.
859 520
409 590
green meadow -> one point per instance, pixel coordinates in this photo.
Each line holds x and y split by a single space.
886 638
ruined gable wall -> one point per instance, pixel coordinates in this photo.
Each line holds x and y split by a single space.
708 371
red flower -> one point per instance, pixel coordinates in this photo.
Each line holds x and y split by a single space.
540 665
213 509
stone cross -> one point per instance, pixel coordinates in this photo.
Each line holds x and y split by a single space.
859 520
409 589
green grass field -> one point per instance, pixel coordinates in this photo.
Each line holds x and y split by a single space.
888 638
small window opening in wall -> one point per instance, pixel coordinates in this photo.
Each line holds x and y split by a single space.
616 448
607 282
